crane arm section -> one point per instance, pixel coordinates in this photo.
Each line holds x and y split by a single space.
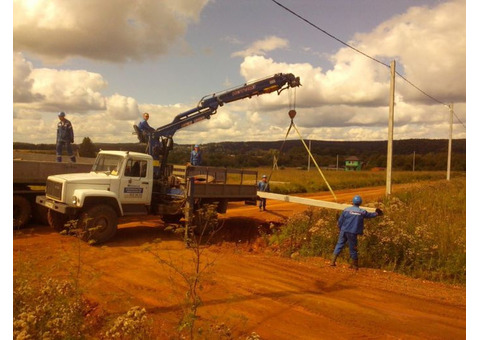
208 105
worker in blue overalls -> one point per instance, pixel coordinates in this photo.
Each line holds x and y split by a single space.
196 156
144 126
64 137
263 186
350 224
154 146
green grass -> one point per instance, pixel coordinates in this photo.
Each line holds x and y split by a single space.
288 181
422 234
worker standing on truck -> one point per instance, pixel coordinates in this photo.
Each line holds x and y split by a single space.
263 186
350 224
196 156
64 137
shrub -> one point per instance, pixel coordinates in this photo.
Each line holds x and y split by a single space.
134 324
309 233
52 310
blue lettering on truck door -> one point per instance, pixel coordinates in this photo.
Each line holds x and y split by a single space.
133 192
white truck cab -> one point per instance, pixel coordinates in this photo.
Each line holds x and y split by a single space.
119 183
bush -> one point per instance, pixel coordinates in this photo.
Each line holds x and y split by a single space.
53 310
311 233
134 324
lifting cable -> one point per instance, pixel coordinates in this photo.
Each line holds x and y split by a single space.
313 159
292 114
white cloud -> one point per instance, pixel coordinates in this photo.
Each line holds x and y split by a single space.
122 108
22 82
109 30
260 47
72 90
430 45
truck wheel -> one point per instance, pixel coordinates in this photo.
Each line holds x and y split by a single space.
21 211
99 223
40 214
56 220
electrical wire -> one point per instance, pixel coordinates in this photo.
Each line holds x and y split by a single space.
330 35
366 55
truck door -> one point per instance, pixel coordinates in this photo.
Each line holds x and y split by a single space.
135 185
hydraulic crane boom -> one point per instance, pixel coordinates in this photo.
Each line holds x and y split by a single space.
208 105
160 141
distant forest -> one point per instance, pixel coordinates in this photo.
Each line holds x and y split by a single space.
430 154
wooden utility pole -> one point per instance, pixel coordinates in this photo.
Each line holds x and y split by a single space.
390 128
449 158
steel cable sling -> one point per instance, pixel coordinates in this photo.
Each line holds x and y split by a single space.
292 113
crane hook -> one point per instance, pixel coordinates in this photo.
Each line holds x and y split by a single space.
292 114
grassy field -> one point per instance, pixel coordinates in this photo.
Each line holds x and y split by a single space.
290 181
422 234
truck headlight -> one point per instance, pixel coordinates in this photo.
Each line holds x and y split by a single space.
75 200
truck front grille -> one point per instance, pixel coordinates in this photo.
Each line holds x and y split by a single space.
54 189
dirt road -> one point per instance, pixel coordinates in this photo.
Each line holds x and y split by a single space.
247 289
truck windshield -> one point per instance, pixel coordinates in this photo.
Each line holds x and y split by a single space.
109 163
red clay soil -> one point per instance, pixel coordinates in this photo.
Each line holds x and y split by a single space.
246 288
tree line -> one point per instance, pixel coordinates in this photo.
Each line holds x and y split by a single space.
418 154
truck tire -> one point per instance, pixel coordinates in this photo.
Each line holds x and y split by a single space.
98 223
56 220
22 211
40 214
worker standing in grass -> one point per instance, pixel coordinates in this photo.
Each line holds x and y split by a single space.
350 224
263 186
64 137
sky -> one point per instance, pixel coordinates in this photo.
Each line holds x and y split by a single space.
106 62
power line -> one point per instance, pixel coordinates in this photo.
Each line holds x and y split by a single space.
429 96
330 35
366 55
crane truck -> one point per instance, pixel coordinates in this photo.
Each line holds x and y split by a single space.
123 183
